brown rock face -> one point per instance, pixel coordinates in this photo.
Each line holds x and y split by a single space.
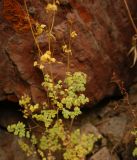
104 35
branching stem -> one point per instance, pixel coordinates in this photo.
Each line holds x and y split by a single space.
36 42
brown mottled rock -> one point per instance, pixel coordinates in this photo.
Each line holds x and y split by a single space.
104 154
10 149
104 35
114 127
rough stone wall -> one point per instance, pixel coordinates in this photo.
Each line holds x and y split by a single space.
104 36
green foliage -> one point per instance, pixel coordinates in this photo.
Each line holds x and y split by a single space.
64 99
135 149
28 108
50 141
71 114
46 116
135 152
17 129
67 96
76 82
33 139
29 150
79 145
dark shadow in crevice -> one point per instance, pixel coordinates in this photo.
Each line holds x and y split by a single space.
101 104
9 113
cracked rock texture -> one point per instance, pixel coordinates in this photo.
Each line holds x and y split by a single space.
104 38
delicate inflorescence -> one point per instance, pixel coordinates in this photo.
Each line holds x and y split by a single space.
64 99
51 7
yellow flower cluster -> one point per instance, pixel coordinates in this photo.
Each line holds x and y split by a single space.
33 108
66 49
51 7
39 28
28 108
35 63
41 66
73 34
46 57
25 99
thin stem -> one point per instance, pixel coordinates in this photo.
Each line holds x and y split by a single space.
37 124
69 47
130 16
49 43
68 62
52 24
50 31
36 42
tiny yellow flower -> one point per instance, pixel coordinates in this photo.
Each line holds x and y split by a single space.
50 85
25 116
51 7
41 66
73 34
45 57
68 51
39 28
48 52
64 47
36 106
53 60
35 63
32 108
43 26
57 2
24 100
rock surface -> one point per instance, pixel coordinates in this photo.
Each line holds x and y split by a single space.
114 127
104 35
9 148
104 154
